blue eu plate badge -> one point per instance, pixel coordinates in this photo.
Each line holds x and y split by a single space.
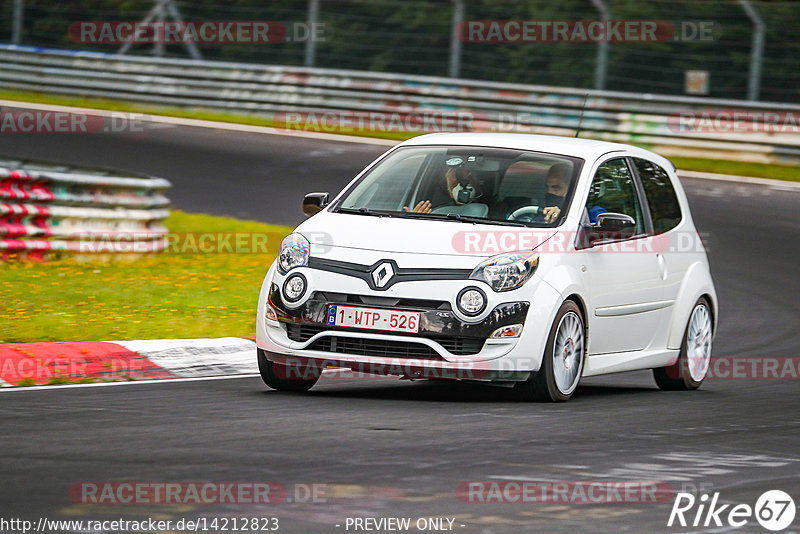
332 314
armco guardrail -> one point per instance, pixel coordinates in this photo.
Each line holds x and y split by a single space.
45 207
271 91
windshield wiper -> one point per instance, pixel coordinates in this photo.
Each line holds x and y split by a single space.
437 216
463 218
366 211
478 220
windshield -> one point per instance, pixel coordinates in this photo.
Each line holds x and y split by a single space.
474 184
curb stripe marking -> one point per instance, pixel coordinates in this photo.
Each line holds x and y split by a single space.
191 358
42 362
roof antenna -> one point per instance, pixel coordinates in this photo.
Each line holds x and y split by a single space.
580 119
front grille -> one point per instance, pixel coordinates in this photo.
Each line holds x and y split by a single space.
302 332
387 302
375 347
461 346
455 345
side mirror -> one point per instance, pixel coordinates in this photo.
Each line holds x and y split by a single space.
314 203
609 226
614 223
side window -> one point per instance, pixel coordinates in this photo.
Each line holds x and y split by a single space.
613 190
661 197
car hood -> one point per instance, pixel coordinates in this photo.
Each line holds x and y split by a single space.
327 231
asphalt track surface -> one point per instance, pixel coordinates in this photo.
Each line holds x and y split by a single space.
387 448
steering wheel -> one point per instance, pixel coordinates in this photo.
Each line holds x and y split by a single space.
525 212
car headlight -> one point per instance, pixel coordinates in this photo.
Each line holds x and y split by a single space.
293 253
505 272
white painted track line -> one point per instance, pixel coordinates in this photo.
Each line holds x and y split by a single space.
784 185
126 383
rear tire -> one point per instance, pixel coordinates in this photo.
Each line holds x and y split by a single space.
689 371
274 375
563 359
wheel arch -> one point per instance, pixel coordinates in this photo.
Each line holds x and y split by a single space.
570 284
696 283
578 300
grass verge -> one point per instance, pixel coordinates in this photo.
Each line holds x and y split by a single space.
167 295
738 168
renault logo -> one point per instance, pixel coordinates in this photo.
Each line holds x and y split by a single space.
382 274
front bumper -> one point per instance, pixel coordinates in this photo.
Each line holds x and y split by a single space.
446 343
442 335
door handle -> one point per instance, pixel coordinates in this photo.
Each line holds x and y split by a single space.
662 265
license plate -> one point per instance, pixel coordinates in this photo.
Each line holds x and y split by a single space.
373 319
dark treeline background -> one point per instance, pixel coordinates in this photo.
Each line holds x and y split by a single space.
413 36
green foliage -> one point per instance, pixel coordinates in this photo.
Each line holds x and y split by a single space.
26 382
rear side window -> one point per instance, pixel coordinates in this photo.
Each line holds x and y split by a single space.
661 198
613 190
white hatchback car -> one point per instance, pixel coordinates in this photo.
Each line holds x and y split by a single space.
517 260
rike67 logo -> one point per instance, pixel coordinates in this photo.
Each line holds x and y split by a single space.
774 510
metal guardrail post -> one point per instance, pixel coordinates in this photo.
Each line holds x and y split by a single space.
756 51
147 18
172 9
157 13
455 41
158 46
16 24
311 43
601 64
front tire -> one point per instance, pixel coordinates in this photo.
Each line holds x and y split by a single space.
563 359
689 371
276 376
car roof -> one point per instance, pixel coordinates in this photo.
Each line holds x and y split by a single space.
588 149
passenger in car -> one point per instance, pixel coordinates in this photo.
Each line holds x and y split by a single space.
557 184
